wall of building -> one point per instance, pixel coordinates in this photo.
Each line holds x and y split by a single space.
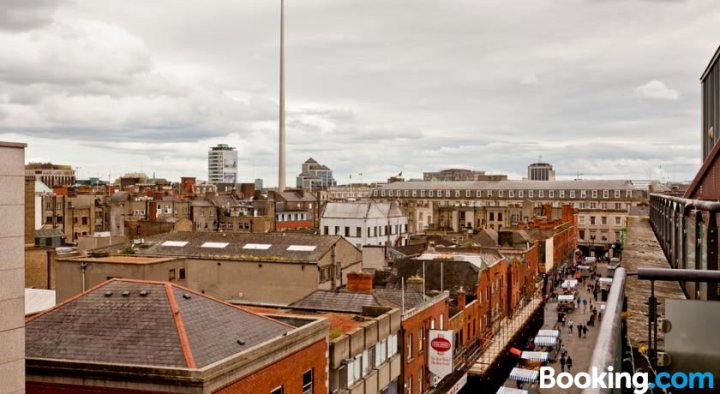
40 266
373 231
416 325
12 267
70 274
286 373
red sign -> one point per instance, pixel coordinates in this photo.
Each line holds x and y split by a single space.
441 344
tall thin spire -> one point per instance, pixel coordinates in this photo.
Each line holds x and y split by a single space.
281 148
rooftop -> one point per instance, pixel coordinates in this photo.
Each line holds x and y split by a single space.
514 185
146 323
121 259
353 302
360 210
283 247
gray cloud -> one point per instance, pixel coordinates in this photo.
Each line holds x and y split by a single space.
20 15
608 89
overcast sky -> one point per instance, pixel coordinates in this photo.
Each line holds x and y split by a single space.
609 89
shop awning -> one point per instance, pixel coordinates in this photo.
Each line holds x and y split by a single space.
534 356
524 375
548 333
545 341
510 390
566 298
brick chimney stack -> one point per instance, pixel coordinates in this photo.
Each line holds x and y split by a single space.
359 282
461 298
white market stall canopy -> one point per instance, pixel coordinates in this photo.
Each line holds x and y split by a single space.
548 333
524 375
510 390
569 284
568 297
535 356
545 341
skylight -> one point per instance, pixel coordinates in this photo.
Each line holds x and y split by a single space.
301 248
218 245
257 246
177 244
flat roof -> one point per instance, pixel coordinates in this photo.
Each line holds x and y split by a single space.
122 259
6 144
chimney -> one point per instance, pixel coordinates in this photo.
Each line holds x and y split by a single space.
461 300
547 209
359 282
415 284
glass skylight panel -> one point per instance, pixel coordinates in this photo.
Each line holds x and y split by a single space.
257 246
217 245
177 244
302 248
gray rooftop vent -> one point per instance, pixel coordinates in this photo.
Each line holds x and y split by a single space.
144 293
240 342
186 296
108 293
126 293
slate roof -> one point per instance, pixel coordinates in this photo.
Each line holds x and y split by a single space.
512 185
240 246
361 210
144 330
353 302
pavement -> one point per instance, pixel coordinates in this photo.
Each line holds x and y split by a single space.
579 349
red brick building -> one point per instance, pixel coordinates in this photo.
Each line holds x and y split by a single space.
149 337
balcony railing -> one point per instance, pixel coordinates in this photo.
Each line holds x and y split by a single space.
687 231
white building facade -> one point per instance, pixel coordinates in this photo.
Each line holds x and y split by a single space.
365 223
222 164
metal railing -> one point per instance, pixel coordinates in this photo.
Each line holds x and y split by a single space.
611 347
687 231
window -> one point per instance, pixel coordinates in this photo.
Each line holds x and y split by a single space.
409 384
628 193
409 346
457 193
582 234
581 219
540 194
365 363
562 193
606 194
337 230
592 219
500 193
604 220
618 206
277 390
422 193
406 193
326 230
594 194
390 194
478 193
182 273
583 193
420 340
500 216
531 193
617 236
447 193
468 193
492 215
347 231
511 194
171 275
392 345
358 232
551 194
520 194
593 205
572 193
420 380
617 193
380 353
430 193
307 382
489 193
618 220
414 193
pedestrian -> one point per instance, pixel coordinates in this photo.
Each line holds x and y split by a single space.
562 349
568 362
562 363
579 330
570 324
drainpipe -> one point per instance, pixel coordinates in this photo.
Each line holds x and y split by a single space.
334 265
83 266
